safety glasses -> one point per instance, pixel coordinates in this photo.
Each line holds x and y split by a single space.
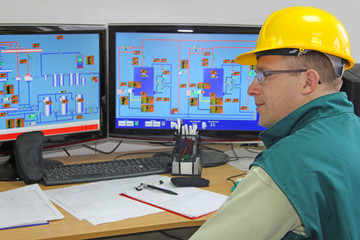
261 76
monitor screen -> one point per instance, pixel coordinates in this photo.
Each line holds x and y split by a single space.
159 74
52 79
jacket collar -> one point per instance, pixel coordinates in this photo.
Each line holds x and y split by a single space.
321 107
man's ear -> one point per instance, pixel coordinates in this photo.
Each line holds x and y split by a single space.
312 80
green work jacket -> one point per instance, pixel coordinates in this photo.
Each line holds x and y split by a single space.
313 155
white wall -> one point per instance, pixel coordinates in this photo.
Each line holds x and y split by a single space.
168 11
171 11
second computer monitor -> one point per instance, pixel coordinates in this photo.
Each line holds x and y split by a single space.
160 74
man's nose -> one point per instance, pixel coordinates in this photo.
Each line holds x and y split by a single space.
254 88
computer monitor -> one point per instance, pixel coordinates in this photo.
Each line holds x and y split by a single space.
161 73
52 79
351 85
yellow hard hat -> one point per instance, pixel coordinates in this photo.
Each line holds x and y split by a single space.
302 28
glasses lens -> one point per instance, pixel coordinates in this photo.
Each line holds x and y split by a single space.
260 76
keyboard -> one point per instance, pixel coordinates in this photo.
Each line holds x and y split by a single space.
104 170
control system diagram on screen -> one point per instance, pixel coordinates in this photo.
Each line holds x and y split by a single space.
170 76
49 81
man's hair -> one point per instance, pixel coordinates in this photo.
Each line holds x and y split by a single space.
320 63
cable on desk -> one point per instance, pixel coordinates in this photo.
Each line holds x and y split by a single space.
210 148
66 151
238 157
253 151
131 153
164 153
238 175
166 144
97 150
232 148
232 159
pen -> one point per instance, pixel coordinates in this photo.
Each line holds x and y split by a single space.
157 188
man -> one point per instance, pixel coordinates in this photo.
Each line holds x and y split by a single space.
306 185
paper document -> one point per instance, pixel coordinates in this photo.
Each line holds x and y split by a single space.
190 202
26 206
99 202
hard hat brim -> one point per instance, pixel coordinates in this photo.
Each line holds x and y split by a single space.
249 58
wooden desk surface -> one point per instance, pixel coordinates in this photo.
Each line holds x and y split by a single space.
72 228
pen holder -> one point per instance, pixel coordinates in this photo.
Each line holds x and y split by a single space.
186 156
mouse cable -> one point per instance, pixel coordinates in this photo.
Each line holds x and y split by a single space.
238 175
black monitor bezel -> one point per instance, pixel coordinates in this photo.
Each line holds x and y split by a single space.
161 134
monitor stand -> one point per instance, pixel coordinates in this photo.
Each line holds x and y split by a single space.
212 158
8 170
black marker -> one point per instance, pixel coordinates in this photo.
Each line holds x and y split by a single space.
157 188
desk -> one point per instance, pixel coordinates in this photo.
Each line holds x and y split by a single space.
72 228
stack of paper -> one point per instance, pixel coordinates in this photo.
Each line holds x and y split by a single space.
99 202
26 206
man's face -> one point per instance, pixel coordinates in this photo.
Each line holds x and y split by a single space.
279 94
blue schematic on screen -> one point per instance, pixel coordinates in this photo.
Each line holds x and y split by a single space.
49 82
162 77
